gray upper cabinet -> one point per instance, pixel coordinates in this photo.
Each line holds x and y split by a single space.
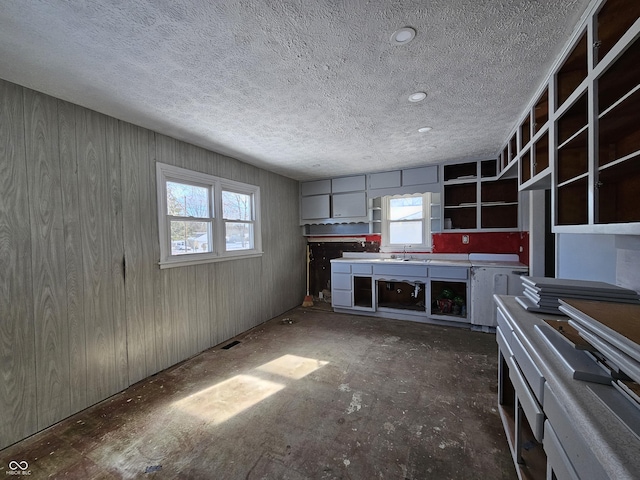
345 199
420 176
332 200
317 187
349 205
385 180
348 184
315 207
402 182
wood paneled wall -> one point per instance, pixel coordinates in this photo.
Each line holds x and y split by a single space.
85 311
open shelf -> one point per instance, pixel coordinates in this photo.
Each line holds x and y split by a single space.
525 131
362 293
401 296
449 299
541 154
541 112
461 205
618 192
613 20
573 71
525 167
499 204
488 168
572 202
460 171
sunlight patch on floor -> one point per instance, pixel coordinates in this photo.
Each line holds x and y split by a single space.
224 400
220 402
292 366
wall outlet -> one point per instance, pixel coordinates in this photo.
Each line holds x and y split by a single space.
465 239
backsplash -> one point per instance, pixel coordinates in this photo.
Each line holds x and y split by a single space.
484 242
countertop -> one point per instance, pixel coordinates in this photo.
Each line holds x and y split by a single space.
613 445
411 261
453 262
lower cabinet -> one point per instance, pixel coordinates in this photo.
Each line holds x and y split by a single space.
556 428
402 291
521 413
341 288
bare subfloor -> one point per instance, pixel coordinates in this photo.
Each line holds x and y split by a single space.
309 394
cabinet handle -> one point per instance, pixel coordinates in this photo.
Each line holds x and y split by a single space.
597 44
599 184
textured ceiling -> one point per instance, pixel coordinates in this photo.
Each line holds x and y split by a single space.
305 88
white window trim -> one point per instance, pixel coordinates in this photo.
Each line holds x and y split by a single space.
166 173
426 246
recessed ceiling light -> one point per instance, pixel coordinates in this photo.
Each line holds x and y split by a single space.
403 35
424 129
417 97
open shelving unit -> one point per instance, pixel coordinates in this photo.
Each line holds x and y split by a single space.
580 137
475 199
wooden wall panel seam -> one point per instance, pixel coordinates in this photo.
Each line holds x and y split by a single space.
17 339
53 395
73 256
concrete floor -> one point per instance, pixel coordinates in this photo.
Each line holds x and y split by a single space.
309 394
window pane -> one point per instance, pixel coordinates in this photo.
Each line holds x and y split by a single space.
405 232
187 200
190 237
405 208
236 206
239 236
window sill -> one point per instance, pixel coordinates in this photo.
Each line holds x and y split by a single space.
184 262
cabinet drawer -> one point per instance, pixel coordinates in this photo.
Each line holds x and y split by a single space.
529 369
579 454
362 268
341 298
458 273
504 324
503 343
341 267
341 281
399 271
557 459
532 410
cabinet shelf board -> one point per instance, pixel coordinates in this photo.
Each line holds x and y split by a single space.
619 101
498 204
461 181
462 205
542 181
604 63
573 137
603 228
619 161
510 171
573 180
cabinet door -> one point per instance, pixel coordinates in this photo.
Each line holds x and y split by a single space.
317 187
350 204
385 180
315 207
420 176
341 290
348 184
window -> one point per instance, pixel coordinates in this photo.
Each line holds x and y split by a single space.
202 218
406 222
